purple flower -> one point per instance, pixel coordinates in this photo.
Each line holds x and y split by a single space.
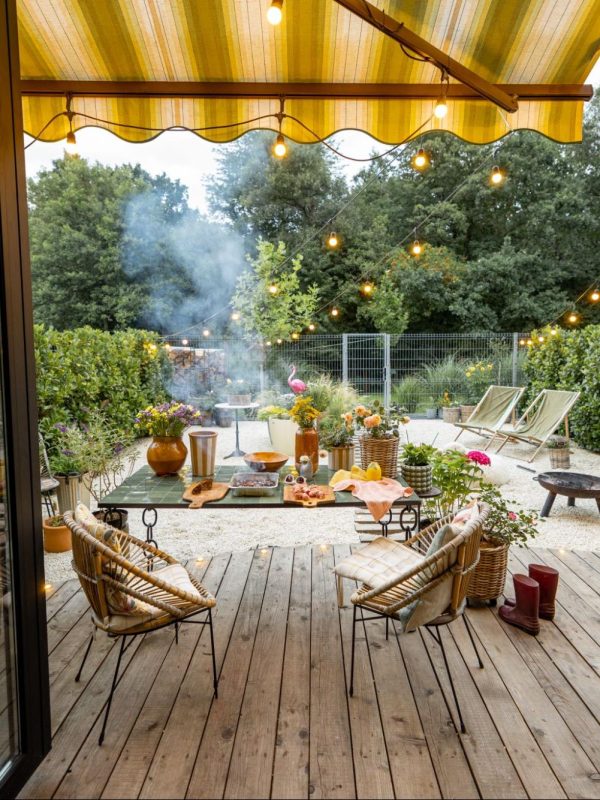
60 427
67 452
119 447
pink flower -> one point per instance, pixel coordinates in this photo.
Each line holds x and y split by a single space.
512 516
479 458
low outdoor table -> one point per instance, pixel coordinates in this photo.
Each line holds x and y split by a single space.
146 490
571 484
236 409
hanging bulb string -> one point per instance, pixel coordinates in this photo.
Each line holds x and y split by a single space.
571 306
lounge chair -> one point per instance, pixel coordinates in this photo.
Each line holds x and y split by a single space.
492 411
540 419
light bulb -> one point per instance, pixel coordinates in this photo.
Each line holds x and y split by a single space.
529 342
312 326
332 240
295 336
279 341
184 342
540 339
497 176
417 248
441 108
71 145
274 13
335 312
273 289
235 316
595 296
521 342
280 147
573 317
421 160
205 332
268 344
553 332
367 288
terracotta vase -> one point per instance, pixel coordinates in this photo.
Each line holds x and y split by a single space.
57 538
166 455
307 444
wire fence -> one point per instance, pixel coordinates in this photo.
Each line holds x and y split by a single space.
418 371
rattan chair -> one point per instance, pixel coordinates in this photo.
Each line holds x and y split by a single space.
435 586
138 570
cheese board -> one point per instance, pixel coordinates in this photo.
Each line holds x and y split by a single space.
328 496
216 492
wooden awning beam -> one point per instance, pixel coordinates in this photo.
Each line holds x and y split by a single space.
400 33
365 91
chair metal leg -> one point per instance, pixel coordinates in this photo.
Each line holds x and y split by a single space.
176 633
351 692
441 644
472 638
85 655
387 628
214 658
112 691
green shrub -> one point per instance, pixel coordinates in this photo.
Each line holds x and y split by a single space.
447 375
83 369
570 360
408 393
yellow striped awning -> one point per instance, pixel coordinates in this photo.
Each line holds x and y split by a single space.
229 42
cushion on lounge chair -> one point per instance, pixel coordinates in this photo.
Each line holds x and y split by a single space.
380 561
122 604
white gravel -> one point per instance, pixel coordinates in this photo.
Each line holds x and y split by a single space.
200 533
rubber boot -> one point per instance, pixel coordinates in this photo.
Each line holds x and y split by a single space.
524 614
547 577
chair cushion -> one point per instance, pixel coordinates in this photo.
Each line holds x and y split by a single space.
445 534
380 561
100 530
466 515
428 607
122 604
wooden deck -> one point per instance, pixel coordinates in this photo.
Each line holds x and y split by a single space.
283 725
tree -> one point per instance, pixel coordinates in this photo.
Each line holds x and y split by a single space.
277 314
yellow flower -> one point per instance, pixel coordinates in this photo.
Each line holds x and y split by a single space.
405 420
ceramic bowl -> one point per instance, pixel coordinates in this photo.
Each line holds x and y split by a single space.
265 461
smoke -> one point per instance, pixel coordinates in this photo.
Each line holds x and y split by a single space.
182 267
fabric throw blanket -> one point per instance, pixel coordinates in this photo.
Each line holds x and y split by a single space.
379 496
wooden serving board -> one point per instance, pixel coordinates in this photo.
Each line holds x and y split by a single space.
216 492
329 497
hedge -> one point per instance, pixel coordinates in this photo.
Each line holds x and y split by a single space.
85 368
570 360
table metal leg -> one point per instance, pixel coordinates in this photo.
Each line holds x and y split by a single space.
571 501
548 504
237 453
149 520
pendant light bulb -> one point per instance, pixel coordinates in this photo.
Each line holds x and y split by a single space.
421 160
295 336
205 332
540 339
335 312
441 107
522 342
529 342
553 332
184 342
71 145
595 296
497 177
417 248
312 327
367 289
573 317
273 289
235 316
332 240
274 12
280 147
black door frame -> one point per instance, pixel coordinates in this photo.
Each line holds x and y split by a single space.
20 424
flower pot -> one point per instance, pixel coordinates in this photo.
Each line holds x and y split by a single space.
383 451
340 457
115 517
223 417
419 478
465 412
560 457
68 492
282 433
206 418
203 446
307 444
431 413
57 539
451 414
488 577
166 454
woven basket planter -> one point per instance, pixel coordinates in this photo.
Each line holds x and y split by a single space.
465 412
451 414
419 478
383 451
560 457
488 577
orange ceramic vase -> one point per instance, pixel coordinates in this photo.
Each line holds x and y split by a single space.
166 455
307 444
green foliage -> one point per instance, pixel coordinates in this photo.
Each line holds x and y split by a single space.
408 393
386 309
278 412
456 475
570 360
273 316
85 369
507 522
334 432
417 455
447 375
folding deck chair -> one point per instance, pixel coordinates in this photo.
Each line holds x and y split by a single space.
492 411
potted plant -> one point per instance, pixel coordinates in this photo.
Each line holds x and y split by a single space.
560 454
282 429
223 416
457 476
507 523
450 408
57 536
304 414
479 375
166 424
67 466
431 410
416 467
336 436
379 434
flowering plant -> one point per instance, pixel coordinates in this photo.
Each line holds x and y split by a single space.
167 419
507 522
479 458
377 422
479 376
304 413
336 433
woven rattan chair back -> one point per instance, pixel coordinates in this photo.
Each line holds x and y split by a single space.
87 563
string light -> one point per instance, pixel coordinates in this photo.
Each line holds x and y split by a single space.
312 327
268 344
279 341
595 296
529 342
540 339
367 289
417 248
335 312
184 342
522 342
280 147
441 107
332 240
295 336
274 12
205 332
573 317
553 332
273 289
235 316
421 160
497 177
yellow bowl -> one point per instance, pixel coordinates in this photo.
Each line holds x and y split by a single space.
266 461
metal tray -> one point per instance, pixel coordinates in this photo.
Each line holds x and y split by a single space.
268 483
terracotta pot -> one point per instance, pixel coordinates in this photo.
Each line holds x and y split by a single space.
341 457
307 444
166 455
57 539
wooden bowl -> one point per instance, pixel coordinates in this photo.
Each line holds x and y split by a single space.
266 461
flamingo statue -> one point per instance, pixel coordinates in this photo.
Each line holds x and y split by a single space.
296 385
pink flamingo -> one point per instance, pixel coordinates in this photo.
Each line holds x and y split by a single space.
296 385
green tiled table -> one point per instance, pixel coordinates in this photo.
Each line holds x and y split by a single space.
146 490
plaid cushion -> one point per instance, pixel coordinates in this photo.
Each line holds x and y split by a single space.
380 561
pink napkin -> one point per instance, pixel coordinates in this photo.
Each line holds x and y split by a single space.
378 495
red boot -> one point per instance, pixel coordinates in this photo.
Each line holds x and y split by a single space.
524 614
547 577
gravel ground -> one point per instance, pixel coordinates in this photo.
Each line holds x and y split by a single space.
195 534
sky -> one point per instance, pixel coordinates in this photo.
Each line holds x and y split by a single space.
184 156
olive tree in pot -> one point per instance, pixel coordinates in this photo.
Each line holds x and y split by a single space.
416 466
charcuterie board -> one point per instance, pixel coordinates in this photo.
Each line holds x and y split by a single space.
328 497
216 492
